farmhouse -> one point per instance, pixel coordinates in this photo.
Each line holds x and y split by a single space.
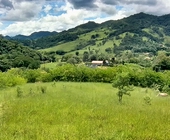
97 63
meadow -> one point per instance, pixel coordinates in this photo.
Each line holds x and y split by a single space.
82 111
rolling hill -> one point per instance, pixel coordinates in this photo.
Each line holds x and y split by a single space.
139 33
14 54
33 36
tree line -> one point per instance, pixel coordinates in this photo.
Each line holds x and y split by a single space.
133 74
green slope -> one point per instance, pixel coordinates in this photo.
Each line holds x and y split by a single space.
140 31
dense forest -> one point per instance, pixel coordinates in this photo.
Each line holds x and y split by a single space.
14 54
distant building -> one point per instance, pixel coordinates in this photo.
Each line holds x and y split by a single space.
146 54
147 58
97 63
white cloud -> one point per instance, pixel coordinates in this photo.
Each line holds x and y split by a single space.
119 15
23 11
6 4
71 18
25 17
104 8
1 24
47 8
162 7
55 23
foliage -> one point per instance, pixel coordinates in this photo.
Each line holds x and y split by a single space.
28 39
60 52
13 54
120 75
5 65
162 62
136 44
147 100
50 41
43 89
19 92
85 56
26 61
122 82
166 89
10 79
32 76
72 61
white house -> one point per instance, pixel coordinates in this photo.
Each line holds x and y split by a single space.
97 63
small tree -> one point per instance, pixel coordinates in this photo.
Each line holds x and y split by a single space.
85 56
72 61
77 53
122 83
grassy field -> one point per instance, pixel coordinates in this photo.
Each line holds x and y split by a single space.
49 65
65 46
69 46
81 111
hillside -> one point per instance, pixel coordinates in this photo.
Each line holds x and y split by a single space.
30 39
13 54
139 33
33 36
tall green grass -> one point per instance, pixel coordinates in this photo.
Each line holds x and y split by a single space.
82 111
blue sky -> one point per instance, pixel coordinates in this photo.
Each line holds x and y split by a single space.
28 16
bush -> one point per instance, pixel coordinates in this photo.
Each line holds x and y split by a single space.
19 92
147 100
9 80
32 76
43 89
148 77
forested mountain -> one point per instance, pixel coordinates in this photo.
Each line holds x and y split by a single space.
139 33
33 36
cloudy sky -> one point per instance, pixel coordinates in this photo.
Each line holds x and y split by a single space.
27 16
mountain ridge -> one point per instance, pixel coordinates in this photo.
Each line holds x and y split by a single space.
145 28
84 26
34 35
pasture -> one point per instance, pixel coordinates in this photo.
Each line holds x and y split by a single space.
82 111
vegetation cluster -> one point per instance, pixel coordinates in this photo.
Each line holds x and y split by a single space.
14 54
127 74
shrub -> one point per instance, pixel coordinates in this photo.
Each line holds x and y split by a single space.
147 100
43 89
19 92
8 79
148 77
31 75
